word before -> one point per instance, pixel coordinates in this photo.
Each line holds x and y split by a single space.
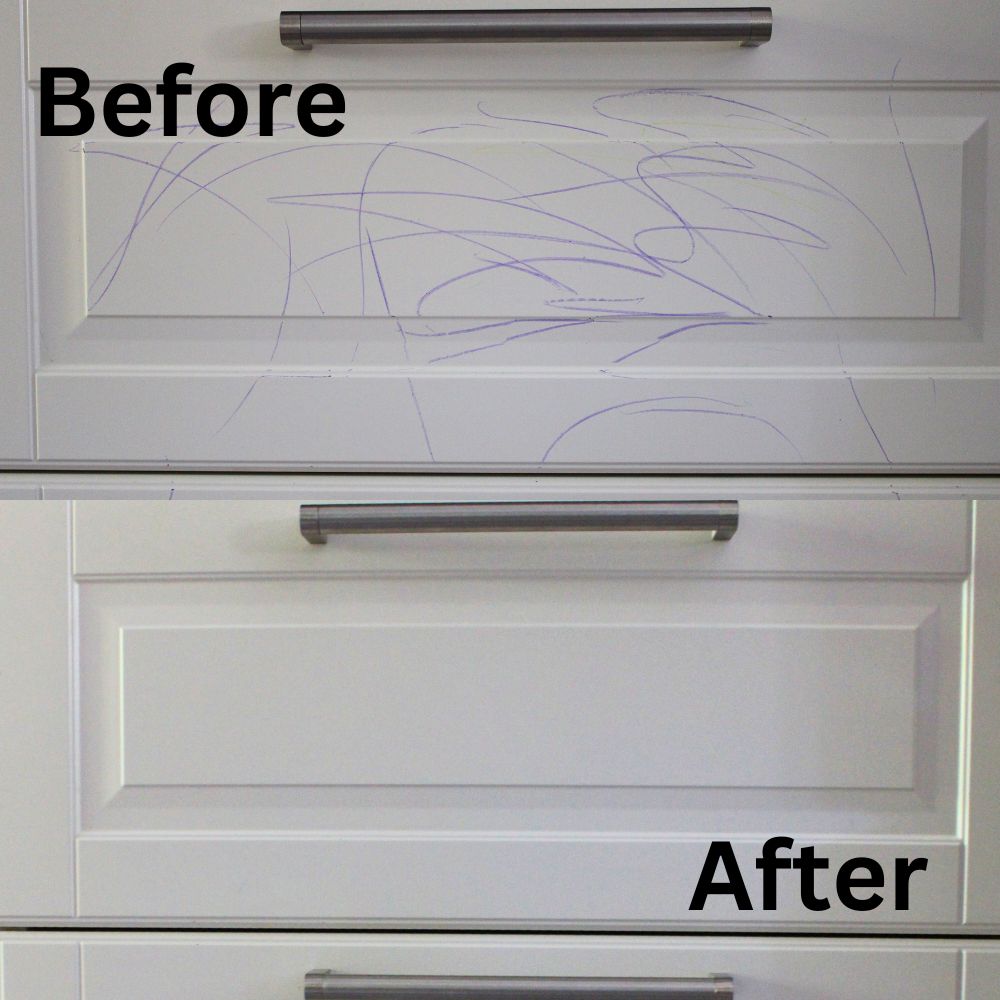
222 109
857 878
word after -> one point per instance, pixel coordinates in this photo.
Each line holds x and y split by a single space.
857 883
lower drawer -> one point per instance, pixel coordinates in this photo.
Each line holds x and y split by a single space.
215 723
102 966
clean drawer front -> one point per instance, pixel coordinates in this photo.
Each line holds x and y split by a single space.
774 258
216 722
273 967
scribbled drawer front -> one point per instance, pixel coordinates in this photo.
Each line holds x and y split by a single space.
273 967
529 730
518 267
670 278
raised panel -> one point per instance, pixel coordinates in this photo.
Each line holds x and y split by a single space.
579 704
207 762
696 237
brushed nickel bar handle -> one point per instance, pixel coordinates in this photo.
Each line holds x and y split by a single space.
322 984
750 26
721 517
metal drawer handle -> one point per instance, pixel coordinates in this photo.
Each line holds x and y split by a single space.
322 984
721 517
751 26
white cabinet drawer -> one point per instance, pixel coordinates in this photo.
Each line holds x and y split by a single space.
273 967
221 724
566 256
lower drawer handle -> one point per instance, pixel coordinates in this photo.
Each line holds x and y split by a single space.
721 517
323 984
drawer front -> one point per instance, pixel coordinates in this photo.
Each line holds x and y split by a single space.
473 730
273 967
503 262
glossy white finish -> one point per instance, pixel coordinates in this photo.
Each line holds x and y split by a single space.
225 670
272 967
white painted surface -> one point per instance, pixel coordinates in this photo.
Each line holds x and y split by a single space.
983 817
15 342
35 967
361 489
36 765
272 967
452 226
110 604
505 266
982 973
853 41
519 705
849 534
203 797
494 881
